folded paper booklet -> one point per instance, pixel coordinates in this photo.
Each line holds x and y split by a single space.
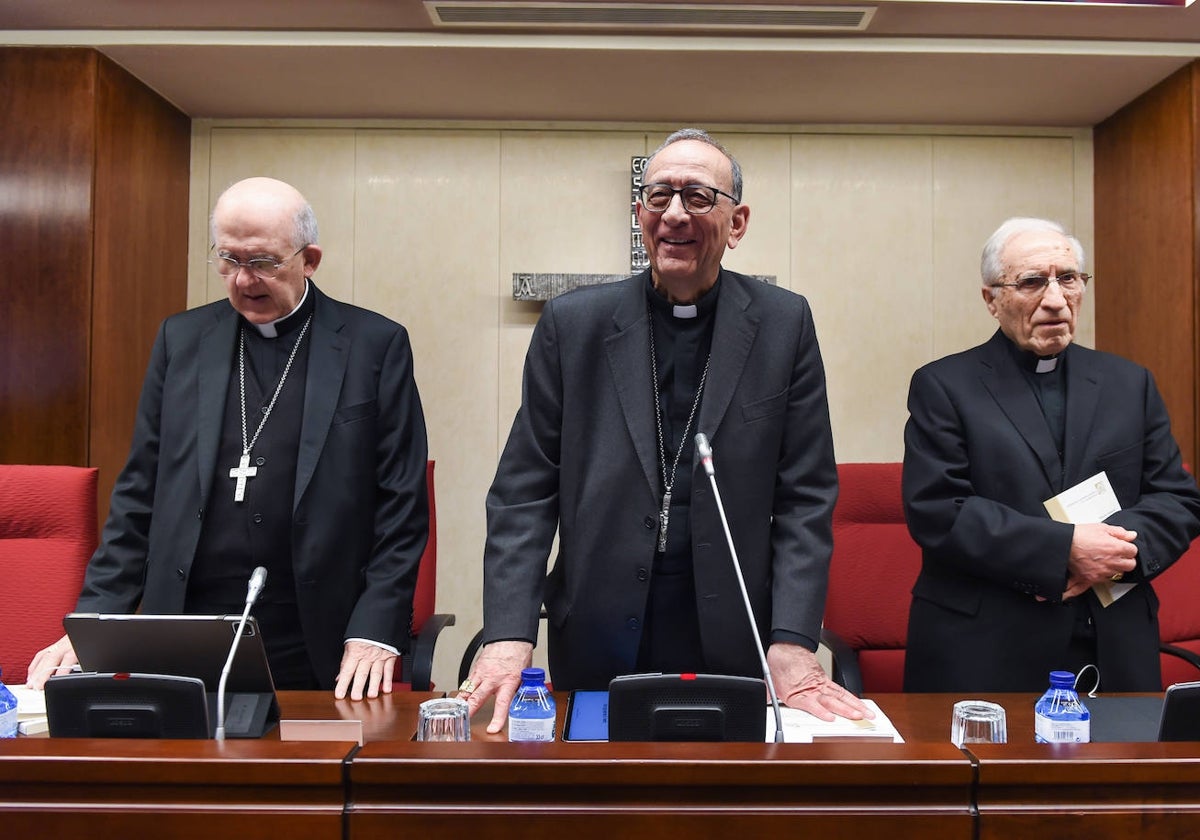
1091 500
800 727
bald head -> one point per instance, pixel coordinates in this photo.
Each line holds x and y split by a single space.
262 219
261 200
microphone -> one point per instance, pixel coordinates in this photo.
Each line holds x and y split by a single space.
705 452
258 579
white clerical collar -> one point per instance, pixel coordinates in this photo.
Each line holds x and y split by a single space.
270 330
688 311
1046 365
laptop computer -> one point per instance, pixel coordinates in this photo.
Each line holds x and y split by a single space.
185 646
1173 717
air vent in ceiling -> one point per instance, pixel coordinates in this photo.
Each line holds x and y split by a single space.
652 17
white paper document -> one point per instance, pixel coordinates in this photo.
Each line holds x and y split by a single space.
31 710
800 727
30 701
1091 500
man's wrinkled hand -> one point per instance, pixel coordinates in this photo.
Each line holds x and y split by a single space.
1100 553
58 658
365 668
497 671
802 683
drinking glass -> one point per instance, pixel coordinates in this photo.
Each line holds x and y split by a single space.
978 722
444 719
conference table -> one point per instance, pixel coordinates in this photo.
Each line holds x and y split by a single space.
393 786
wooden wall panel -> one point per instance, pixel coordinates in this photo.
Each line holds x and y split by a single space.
1146 231
46 152
140 256
93 223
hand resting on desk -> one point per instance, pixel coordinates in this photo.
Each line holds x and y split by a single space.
497 671
58 658
803 684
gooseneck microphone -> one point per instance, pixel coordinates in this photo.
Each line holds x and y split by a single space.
705 451
257 580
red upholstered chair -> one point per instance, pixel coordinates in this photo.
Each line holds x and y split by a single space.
1178 591
875 563
47 534
417 664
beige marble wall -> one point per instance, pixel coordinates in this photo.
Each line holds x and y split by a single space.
881 229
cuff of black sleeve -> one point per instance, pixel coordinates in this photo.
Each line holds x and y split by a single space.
790 638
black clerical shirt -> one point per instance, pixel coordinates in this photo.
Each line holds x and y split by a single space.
1050 389
238 536
682 339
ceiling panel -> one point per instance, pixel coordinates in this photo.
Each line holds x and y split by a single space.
1053 64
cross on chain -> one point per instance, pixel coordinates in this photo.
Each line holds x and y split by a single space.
242 472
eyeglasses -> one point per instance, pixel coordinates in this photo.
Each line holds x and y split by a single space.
1070 282
264 268
697 198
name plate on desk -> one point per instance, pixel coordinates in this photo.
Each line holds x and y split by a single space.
321 730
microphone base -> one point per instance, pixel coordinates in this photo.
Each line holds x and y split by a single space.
687 707
247 714
108 705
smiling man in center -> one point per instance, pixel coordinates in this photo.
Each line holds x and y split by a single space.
618 381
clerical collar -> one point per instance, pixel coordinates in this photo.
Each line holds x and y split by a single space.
291 321
703 306
1031 362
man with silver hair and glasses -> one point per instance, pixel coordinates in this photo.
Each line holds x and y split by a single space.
1007 593
618 381
276 428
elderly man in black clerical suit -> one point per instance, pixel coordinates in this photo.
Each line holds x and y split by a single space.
278 428
618 380
1006 593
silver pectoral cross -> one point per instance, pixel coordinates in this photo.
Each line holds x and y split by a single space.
664 517
242 472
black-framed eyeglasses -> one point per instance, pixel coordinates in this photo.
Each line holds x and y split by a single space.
264 268
1069 282
697 199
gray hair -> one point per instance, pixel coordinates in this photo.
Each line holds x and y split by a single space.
703 136
306 226
990 268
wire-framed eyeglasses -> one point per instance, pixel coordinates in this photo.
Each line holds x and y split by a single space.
697 199
1069 281
264 268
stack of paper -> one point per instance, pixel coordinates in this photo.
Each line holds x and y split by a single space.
31 710
802 728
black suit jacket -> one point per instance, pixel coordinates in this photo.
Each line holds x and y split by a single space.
979 462
360 508
582 457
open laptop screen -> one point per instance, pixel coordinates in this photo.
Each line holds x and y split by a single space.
179 645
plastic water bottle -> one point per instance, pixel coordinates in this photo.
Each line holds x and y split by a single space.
1059 716
531 714
8 713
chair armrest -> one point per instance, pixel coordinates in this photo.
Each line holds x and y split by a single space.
846 672
1187 656
421 653
468 657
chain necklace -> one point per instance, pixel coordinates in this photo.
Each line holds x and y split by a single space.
243 470
664 513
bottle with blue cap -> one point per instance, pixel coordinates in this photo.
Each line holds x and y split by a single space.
1059 716
532 711
8 712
